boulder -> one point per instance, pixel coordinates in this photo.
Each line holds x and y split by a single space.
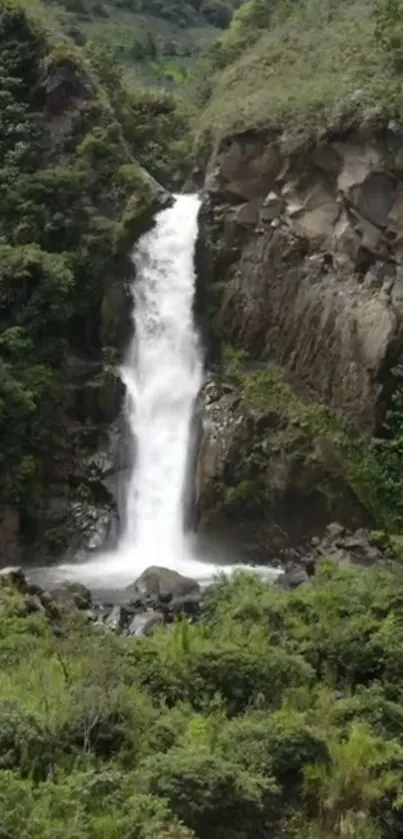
157 580
346 548
72 594
31 603
13 575
187 604
119 618
293 578
145 624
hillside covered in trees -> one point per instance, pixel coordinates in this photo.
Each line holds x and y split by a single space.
157 40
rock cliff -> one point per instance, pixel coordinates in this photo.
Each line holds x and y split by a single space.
301 261
307 261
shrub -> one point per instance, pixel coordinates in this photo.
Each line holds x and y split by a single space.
209 793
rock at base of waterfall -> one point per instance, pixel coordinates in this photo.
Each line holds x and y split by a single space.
190 605
72 594
145 624
13 575
159 582
293 578
119 618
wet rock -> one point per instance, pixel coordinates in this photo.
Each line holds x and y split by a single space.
136 595
188 604
157 580
13 575
103 610
115 619
31 604
90 524
145 624
119 618
165 597
72 594
293 578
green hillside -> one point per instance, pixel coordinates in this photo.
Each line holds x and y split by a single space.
157 39
303 67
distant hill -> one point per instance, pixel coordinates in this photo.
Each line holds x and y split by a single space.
157 40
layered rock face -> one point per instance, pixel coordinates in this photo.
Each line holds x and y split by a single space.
307 261
301 262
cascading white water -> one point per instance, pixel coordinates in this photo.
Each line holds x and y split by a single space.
163 374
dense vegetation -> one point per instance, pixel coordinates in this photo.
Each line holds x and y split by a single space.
157 40
72 201
280 714
301 67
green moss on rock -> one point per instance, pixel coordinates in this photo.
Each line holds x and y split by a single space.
291 466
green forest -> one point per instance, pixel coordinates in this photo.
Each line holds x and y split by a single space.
156 41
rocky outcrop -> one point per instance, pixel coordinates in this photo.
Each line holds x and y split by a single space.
268 479
138 613
343 547
300 266
306 261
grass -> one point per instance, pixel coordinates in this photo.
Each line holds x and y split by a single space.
320 64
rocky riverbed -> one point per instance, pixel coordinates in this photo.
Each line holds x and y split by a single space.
157 597
160 596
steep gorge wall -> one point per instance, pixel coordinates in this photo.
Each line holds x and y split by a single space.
307 261
301 263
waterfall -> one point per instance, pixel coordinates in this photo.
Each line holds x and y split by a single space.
163 373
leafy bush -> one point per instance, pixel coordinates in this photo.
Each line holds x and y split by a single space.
280 745
89 748
236 672
209 793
